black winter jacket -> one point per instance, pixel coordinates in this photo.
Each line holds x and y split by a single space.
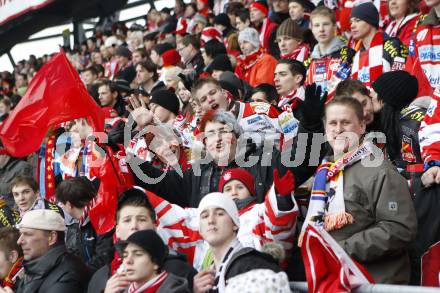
247 259
54 272
187 191
93 249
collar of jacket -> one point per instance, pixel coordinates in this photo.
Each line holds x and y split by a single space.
432 18
195 59
335 45
40 267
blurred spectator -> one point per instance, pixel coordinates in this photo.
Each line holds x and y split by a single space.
255 66
74 195
11 258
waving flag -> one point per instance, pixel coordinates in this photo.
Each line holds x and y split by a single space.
328 266
56 94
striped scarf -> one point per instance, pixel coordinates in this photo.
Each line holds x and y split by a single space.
292 100
367 68
327 206
300 54
150 286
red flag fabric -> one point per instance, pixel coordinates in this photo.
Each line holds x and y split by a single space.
56 94
431 266
114 177
328 267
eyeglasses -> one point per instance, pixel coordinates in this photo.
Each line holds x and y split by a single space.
220 132
181 48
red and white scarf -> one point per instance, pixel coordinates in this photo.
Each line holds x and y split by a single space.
368 64
291 100
300 54
394 26
150 286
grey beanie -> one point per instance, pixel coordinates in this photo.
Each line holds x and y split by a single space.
250 35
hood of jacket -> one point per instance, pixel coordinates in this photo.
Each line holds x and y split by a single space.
335 45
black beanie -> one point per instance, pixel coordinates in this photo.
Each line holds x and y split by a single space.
366 12
222 19
149 241
162 48
166 99
396 88
220 62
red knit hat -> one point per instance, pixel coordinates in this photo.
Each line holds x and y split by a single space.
237 174
171 58
260 6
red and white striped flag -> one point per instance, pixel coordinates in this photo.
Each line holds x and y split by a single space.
328 266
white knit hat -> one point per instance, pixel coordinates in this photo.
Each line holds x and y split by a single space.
250 35
42 219
219 200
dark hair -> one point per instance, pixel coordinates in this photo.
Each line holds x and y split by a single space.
135 197
5 100
191 40
92 70
8 240
350 86
110 84
390 125
199 83
214 47
233 7
99 69
349 102
269 90
79 191
25 180
150 67
142 52
243 14
295 68
23 75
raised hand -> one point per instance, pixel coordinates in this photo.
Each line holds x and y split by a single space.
284 185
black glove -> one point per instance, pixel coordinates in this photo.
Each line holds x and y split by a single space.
187 82
312 109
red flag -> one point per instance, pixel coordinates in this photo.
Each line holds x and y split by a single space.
115 178
56 94
328 267
431 266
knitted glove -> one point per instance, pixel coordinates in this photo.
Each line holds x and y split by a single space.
312 109
284 185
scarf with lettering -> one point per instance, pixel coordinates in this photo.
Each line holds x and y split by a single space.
327 206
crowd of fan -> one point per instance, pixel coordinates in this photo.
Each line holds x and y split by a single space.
213 82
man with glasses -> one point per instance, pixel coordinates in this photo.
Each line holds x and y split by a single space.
220 134
189 50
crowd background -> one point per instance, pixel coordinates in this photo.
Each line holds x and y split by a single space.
208 84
